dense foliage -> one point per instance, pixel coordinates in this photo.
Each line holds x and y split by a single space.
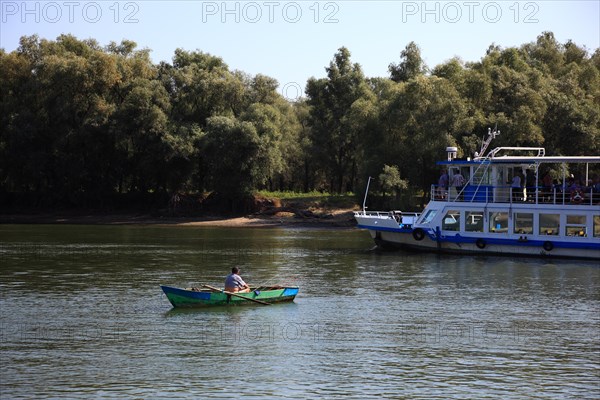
82 124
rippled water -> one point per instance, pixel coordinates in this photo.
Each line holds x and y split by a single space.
82 315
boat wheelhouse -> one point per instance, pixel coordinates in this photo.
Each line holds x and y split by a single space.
496 213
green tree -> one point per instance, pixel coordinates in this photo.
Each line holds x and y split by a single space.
201 86
546 54
267 122
411 64
80 122
419 120
18 127
232 149
62 122
142 124
334 101
390 181
303 170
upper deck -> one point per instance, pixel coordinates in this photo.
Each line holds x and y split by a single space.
518 175
508 195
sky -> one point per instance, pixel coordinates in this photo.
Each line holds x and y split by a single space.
292 41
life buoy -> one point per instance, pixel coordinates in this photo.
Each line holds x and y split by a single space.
576 196
548 246
480 243
418 234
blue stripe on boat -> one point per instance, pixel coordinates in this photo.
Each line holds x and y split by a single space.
493 240
385 229
290 292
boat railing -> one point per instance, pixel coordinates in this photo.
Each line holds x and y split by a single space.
507 194
541 152
402 217
385 214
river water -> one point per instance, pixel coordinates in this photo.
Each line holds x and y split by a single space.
82 315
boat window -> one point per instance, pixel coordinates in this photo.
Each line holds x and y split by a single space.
428 216
523 223
474 221
576 225
576 219
596 225
549 224
451 221
498 222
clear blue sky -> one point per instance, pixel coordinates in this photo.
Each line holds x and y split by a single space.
294 40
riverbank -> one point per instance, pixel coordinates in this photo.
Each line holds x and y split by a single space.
332 218
286 210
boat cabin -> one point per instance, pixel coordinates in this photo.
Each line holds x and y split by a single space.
506 194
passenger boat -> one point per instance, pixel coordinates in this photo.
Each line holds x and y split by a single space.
209 296
489 216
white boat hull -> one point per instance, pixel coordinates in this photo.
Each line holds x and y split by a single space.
406 241
388 234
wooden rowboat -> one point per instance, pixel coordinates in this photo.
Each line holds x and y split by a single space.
208 296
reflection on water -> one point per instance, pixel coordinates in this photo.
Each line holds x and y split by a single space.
82 315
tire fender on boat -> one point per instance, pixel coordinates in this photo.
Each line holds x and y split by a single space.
418 234
548 246
480 243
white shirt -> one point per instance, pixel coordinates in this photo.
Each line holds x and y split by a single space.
234 281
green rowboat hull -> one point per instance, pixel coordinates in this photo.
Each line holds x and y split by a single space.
204 298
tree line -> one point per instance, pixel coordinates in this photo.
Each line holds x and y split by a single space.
83 124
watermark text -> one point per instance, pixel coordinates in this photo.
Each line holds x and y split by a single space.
69 12
469 11
253 12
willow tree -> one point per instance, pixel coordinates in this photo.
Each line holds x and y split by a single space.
411 64
56 138
232 151
426 114
335 119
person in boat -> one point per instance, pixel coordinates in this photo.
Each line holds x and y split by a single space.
443 184
458 183
234 282
515 187
547 186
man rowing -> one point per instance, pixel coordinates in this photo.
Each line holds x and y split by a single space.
234 282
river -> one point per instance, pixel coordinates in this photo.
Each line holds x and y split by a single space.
82 315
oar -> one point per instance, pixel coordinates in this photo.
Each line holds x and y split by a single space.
237 295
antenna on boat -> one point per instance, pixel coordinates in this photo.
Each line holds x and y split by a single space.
451 152
366 193
491 136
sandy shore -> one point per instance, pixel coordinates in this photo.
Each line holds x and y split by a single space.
335 219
